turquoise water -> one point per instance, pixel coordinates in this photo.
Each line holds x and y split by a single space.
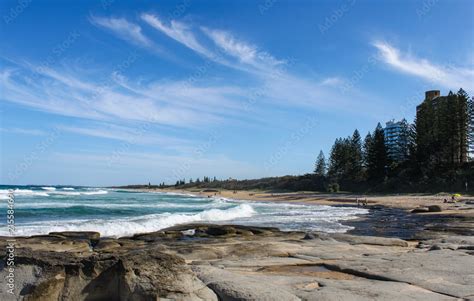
115 212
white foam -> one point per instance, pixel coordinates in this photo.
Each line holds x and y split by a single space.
51 191
49 188
72 193
162 212
68 188
95 192
126 227
177 193
24 192
66 193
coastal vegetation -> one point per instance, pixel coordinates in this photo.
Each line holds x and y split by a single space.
437 155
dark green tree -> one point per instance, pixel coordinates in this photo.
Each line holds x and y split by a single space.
377 157
470 127
463 122
366 150
355 158
320 166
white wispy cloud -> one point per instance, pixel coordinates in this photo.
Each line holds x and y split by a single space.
187 103
447 75
23 131
93 101
244 52
230 51
179 32
332 81
123 29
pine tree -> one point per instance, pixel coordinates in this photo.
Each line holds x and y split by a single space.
403 141
464 123
320 166
355 157
427 146
377 156
366 149
470 128
334 170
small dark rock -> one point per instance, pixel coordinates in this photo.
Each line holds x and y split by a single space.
219 231
309 236
420 210
435 208
466 248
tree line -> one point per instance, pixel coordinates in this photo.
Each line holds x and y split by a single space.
191 181
437 155
434 155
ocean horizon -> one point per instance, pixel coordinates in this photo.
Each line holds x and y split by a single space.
120 212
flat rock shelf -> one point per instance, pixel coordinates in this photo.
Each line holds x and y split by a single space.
228 262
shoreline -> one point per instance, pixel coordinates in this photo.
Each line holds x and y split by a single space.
391 254
389 215
400 201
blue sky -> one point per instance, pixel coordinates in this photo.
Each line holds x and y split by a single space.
120 92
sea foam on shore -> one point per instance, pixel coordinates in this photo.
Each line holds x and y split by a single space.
114 212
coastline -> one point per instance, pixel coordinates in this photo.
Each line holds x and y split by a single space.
389 215
391 254
400 201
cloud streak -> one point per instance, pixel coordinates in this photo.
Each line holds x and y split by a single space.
447 76
244 52
123 29
177 31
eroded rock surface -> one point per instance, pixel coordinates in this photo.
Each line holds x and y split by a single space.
224 262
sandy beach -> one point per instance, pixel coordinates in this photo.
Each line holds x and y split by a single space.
406 202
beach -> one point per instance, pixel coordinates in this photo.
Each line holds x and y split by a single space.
402 201
389 254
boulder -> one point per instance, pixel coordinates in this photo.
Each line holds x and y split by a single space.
220 230
435 208
435 248
420 210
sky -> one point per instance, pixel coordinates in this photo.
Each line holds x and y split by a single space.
113 92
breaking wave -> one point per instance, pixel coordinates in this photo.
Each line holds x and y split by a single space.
130 226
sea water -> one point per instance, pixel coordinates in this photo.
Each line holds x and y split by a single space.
118 212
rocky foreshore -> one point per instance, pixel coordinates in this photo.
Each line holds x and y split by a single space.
228 262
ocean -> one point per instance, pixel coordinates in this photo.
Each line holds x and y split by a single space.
117 212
